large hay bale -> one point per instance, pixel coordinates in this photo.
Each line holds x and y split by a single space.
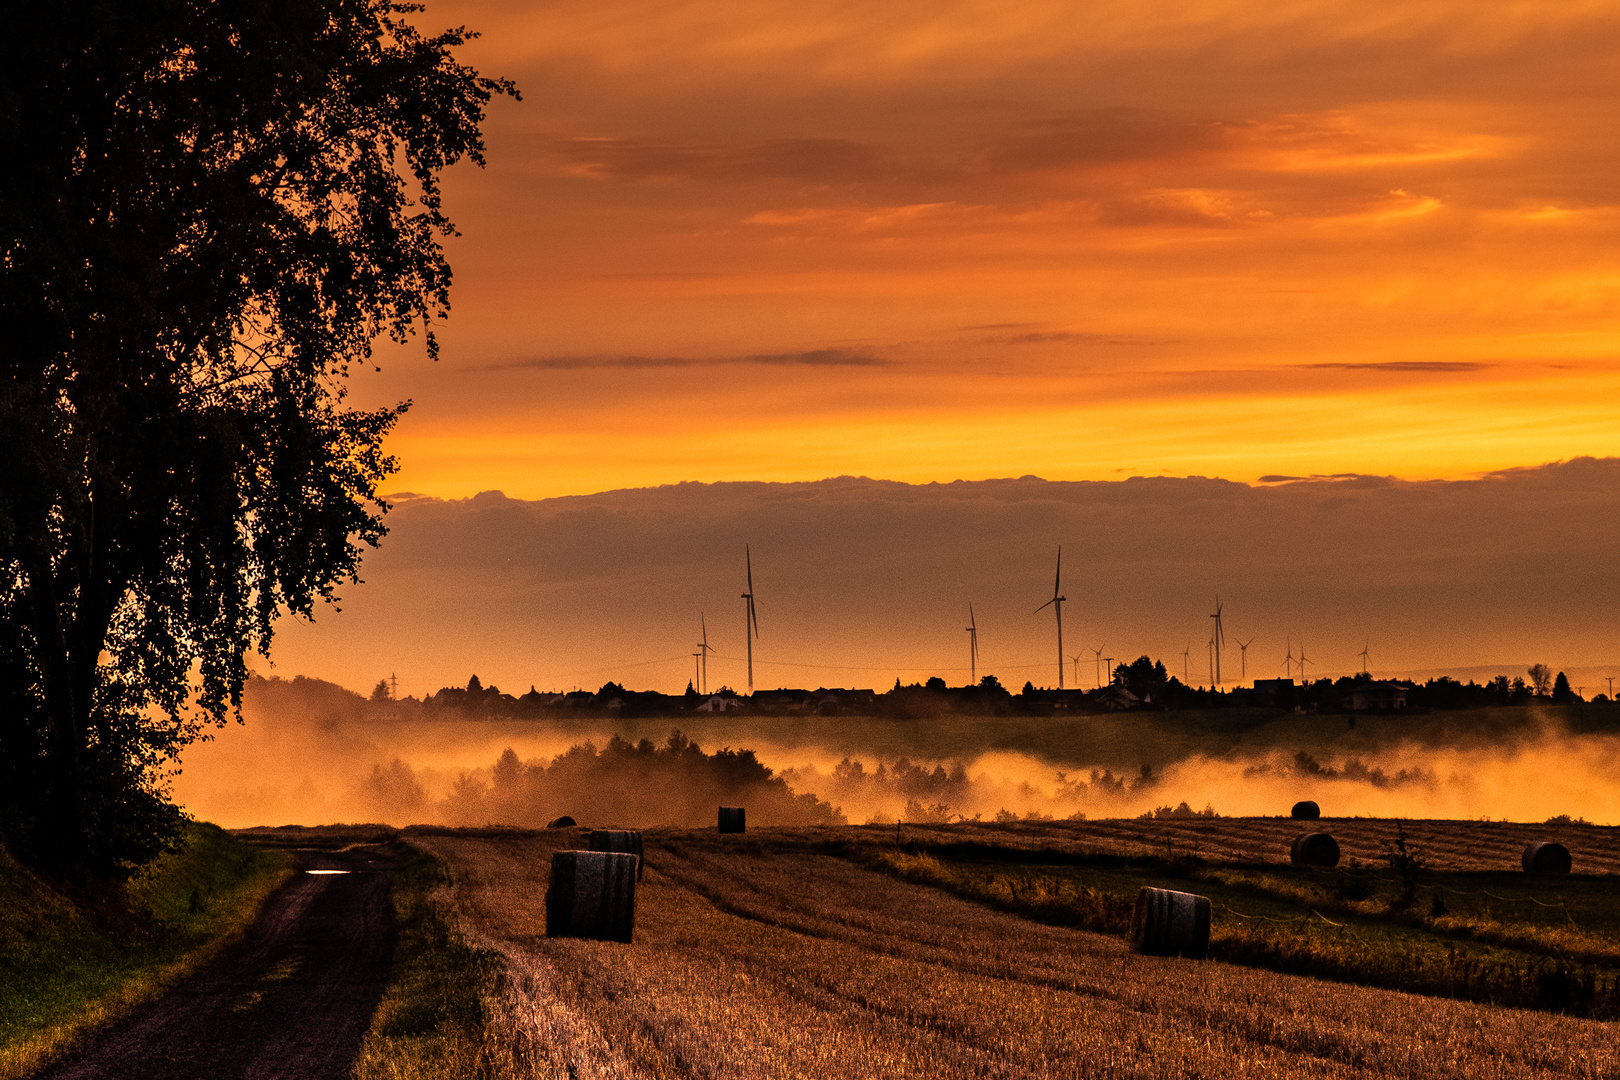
1314 849
1169 923
627 841
592 895
1546 859
564 822
733 819
1305 811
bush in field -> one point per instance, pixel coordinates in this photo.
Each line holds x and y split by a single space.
633 784
1408 862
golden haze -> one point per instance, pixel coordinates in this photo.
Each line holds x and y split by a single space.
928 242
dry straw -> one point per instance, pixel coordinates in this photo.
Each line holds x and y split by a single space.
1546 859
627 841
1170 923
592 895
1314 849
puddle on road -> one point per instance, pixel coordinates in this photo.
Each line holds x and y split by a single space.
326 871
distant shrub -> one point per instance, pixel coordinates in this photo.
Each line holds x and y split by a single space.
1565 819
1408 861
1180 811
919 813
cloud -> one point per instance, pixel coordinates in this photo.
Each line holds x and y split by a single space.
806 358
1397 366
800 160
854 574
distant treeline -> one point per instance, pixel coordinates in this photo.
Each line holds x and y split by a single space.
620 784
1142 684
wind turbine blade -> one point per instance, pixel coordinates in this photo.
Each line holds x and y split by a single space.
748 555
1057 582
1046 605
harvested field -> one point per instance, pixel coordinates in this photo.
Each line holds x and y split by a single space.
760 956
1450 845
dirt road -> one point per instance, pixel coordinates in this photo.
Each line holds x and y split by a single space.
293 999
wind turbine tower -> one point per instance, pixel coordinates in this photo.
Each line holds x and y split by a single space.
1185 653
1288 661
704 649
1302 661
1243 659
973 648
751 620
1056 603
1098 650
1365 645
1216 640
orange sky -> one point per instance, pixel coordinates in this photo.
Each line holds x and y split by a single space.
931 241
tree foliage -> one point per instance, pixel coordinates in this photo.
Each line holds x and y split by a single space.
211 209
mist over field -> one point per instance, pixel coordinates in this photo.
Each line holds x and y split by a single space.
313 753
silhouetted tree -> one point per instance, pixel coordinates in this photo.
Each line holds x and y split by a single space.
1541 679
1561 693
1143 677
208 211
380 691
990 682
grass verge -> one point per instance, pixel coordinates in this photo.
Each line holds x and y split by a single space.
71 961
436 1019
1502 939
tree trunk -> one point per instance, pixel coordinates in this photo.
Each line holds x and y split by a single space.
61 827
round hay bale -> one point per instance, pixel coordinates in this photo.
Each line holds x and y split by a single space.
623 840
1305 811
592 895
1169 923
564 822
733 819
1547 859
1314 849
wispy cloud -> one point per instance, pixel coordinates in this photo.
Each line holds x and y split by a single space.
806 358
1413 366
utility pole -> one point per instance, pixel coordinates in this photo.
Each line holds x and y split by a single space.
393 687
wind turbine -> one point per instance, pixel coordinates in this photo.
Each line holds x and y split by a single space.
704 649
697 670
1288 661
1056 603
1098 650
1365 645
973 648
1216 640
1302 662
1211 647
1243 658
750 619
1076 660
1185 653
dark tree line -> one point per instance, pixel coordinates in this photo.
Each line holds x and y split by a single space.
621 783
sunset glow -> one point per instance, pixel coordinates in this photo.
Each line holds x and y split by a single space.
945 241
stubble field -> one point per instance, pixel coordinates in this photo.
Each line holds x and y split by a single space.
809 952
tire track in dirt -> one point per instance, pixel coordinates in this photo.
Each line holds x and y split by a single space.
294 998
